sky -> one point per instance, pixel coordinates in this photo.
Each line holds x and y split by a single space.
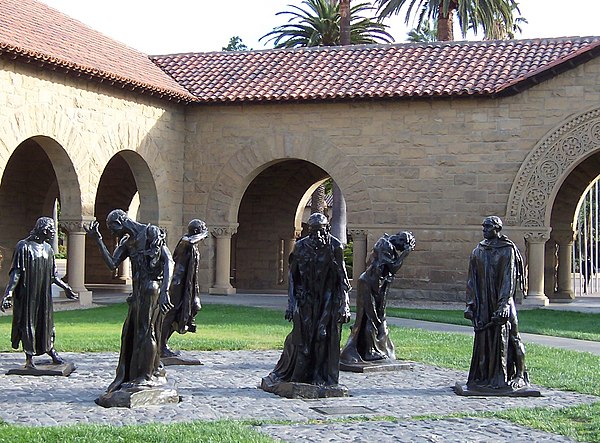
165 27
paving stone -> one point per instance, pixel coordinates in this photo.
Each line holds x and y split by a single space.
226 387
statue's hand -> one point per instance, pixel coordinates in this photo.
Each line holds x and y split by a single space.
93 230
468 314
165 302
289 314
501 315
345 315
411 242
6 302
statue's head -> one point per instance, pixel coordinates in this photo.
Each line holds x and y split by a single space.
492 226
403 240
197 226
115 220
318 228
44 229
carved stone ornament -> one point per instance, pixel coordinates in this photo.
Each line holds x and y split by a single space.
223 231
75 225
543 169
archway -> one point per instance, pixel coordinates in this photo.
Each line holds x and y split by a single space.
248 163
125 175
268 224
544 197
38 173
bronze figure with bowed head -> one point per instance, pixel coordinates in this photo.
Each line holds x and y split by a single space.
496 273
29 289
369 344
152 266
184 291
317 306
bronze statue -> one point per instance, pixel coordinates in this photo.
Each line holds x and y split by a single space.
369 341
496 272
139 361
317 307
29 289
184 291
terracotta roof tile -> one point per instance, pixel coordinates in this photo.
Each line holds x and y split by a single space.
439 69
32 31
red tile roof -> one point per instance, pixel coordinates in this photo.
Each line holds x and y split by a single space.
30 31
34 32
442 69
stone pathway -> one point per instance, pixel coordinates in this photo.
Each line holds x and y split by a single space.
225 387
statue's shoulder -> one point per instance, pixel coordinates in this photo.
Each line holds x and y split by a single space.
336 243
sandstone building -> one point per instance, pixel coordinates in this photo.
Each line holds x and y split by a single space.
423 137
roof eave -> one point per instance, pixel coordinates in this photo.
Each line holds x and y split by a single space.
44 61
550 70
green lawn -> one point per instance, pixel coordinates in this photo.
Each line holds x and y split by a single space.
232 327
567 324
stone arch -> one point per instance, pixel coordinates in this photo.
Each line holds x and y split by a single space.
62 143
148 165
547 166
247 163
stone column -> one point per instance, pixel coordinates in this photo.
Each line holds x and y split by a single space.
223 257
359 252
76 258
536 241
565 293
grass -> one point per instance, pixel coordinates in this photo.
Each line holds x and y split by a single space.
580 423
569 324
200 431
219 327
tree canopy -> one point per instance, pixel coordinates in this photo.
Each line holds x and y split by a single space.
317 23
496 18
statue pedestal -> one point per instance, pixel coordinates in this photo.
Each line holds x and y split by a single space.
301 390
179 359
377 366
526 391
140 396
63 370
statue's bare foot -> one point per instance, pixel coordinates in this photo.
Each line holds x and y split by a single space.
167 352
29 362
519 382
56 359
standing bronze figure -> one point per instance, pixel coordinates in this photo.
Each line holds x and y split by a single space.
496 273
29 289
151 263
184 291
317 306
369 342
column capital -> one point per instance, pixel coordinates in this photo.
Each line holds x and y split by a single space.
537 236
358 233
74 226
223 230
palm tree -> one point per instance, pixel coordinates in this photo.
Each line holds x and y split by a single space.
318 24
486 15
426 32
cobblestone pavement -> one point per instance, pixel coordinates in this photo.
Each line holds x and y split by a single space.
225 387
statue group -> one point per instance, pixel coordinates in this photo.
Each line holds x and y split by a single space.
166 298
318 305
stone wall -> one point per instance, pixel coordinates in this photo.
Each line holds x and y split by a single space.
80 125
435 167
